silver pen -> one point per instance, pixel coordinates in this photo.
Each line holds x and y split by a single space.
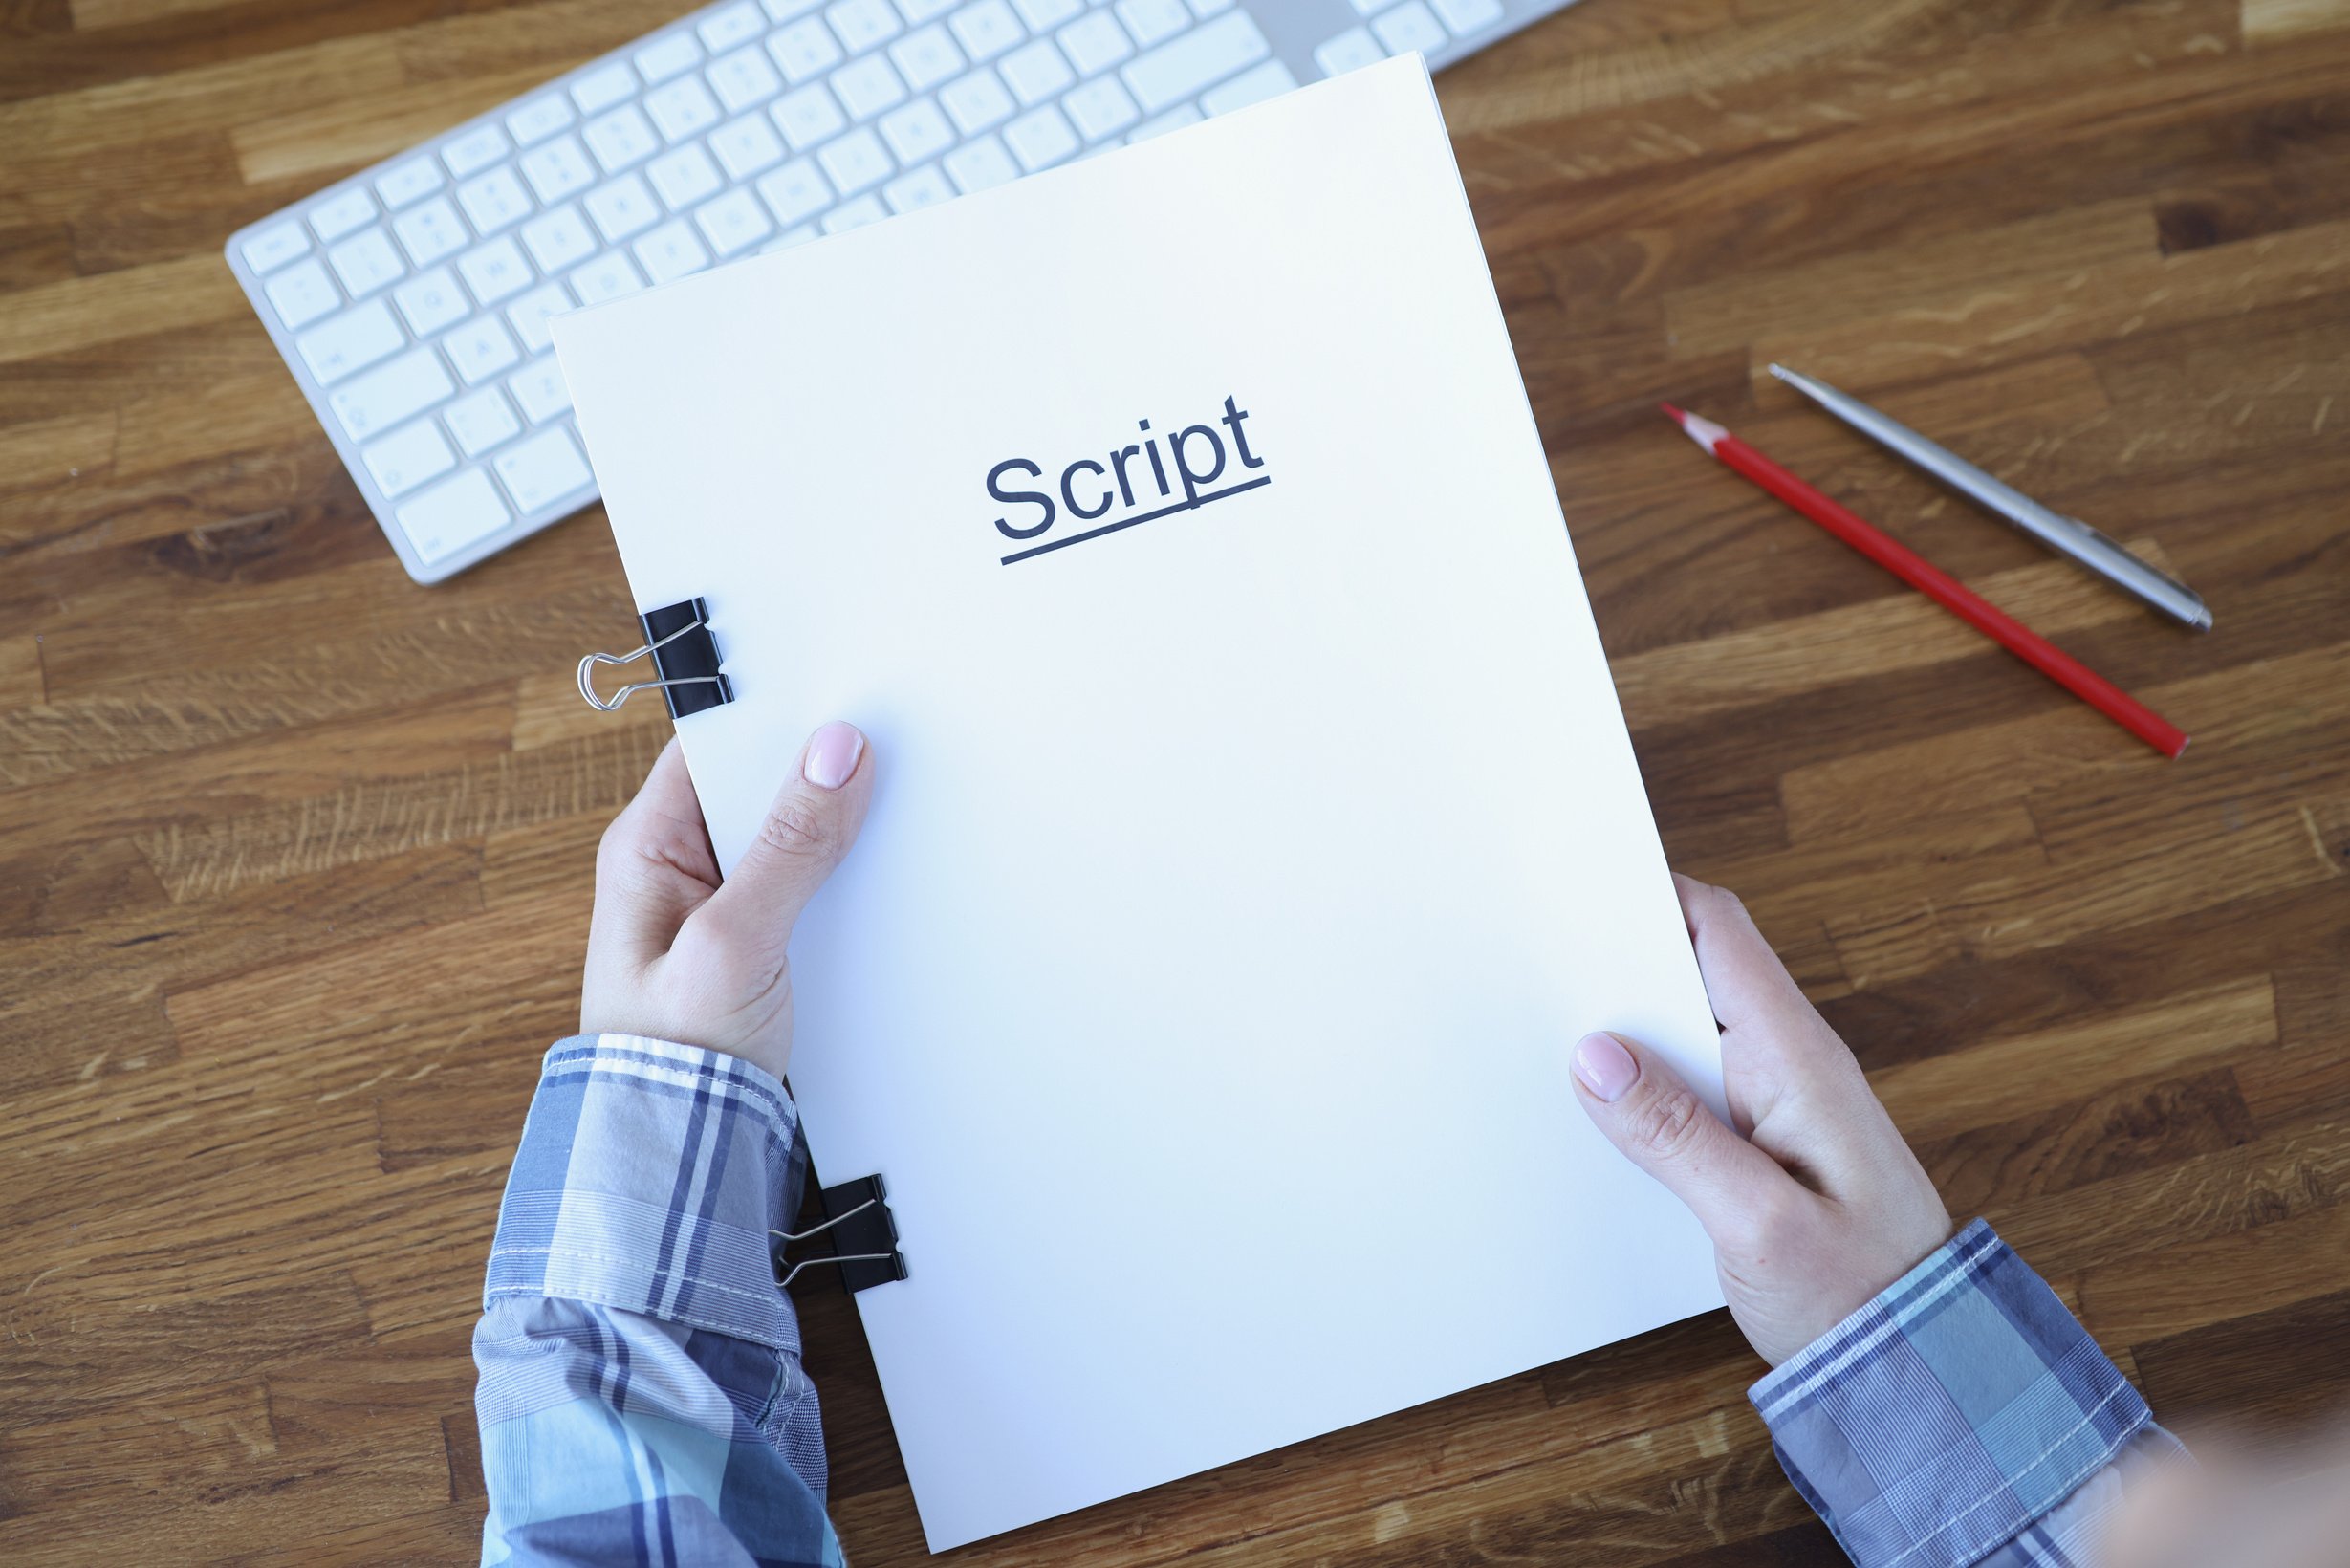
2065 536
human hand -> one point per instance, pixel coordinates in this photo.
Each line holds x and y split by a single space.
674 954
1820 1204
2282 1508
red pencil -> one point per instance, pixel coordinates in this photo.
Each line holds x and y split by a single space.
1936 584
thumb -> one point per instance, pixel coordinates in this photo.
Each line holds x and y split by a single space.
809 828
1660 1125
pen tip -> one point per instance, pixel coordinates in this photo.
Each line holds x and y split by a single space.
1780 370
1674 414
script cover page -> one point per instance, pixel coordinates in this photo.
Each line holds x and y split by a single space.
1256 829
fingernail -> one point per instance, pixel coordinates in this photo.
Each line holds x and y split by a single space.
832 755
1605 1067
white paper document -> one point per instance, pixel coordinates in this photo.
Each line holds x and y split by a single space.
1254 831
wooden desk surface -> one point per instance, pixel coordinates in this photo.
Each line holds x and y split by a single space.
295 854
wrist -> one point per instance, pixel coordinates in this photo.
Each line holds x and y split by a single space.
1873 1278
764 1041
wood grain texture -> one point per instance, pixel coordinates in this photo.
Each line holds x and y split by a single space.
2267 21
295 856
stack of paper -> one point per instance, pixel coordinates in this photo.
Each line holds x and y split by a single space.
1256 827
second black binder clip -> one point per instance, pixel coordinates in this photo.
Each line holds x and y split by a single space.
677 638
864 1238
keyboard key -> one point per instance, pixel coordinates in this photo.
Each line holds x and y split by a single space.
407 457
985 29
275 246
538 120
608 276
339 214
1174 120
544 468
1035 71
977 165
538 387
732 221
369 404
480 421
558 238
1468 17
738 24
1198 59
1350 50
1204 9
803 50
432 231
861 24
744 79
1269 80
365 263
917 132
530 314
977 101
480 349
666 57
867 86
408 182
1410 26
684 177
1153 21
1100 108
472 151
302 294
351 341
622 138
1043 16
1040 138
1371 7
854 162
808 117
855 214
918 11
432 301
558 169
795 191
683 108
495 270
1094 42
925 186
671 251
792 236
622 208
495 201
452 515
927 57
603 87
744 146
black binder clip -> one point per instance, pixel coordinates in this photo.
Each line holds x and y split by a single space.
864 1238
685 656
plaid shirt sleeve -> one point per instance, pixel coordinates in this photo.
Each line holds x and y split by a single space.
1962 1417
641 1396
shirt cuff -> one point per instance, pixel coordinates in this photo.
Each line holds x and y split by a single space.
1943 1419
648 1178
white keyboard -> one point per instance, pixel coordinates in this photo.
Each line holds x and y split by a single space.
411 300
